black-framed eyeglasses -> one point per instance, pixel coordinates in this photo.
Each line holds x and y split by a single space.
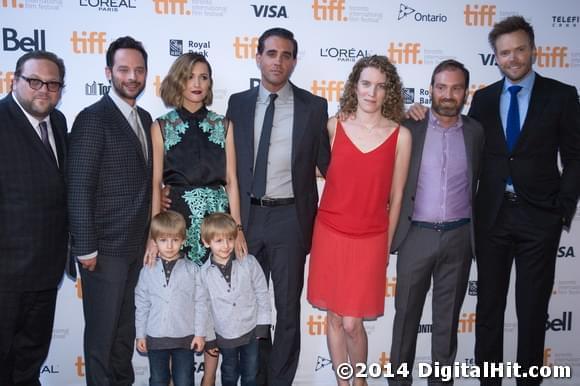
37 84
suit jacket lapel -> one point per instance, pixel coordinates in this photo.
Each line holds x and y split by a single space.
418 142
535 106
301 114
494 109
60 143
246 123
469 150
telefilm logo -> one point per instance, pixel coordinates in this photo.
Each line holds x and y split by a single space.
97 88
410 13
404 53
176 47
49 369
479 15
6 79
329 10
344 54
108 5
322 362
560 323
13 41
171 7
269 11
245 47
331 90
565 21
87 42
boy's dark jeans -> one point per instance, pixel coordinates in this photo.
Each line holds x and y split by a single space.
182 367
238 361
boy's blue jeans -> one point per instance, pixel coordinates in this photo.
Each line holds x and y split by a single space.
238 361
182 367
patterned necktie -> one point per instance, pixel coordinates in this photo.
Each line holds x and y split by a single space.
261 168
44 137
513 118
136 125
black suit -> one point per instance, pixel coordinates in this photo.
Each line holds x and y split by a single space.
33 240
109 210
280 237
528 228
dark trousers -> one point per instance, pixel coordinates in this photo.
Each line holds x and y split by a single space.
109 309
274 237
173 364
445 257
530 236
242 360
26 320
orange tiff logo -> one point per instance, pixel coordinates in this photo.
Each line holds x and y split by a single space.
245 47
171 7
404 53
329 10
390 287
6 81
480 15
79 288
88 42
316 325
80 366
157 85
555 56
12 4
548 356
466 322
330 90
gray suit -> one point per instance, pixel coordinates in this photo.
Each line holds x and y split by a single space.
425 253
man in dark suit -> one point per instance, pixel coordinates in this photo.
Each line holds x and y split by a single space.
280 126
109 209
434 236
33 219
523 199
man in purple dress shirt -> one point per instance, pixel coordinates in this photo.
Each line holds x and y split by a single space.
434 238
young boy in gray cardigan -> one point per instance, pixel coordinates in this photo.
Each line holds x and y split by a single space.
172 317
239 300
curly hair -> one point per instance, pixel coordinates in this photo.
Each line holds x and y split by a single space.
174 83
392 106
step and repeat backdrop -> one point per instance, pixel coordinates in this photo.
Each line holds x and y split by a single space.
332 35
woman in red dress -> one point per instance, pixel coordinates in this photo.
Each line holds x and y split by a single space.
359 208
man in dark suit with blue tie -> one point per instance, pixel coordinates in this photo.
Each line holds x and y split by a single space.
280 139
109 200
33 217
523 199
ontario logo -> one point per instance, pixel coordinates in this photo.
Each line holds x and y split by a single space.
405 11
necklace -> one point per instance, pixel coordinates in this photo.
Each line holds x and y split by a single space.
370 128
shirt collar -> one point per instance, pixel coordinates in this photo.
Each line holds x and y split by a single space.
526 83
33 121
284 94
125 107
434 122
229 263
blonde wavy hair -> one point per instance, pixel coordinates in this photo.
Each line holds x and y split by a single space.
176 79
392 106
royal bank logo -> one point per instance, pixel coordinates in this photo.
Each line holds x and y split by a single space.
426 17
565 21
408 95
177 47
472 288
108 5
321 363
97 89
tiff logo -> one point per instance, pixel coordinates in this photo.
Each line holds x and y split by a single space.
404 53
328 10
480 15
555 56
331 90
11 4
316 325
171 7
246 47
88 42
6 79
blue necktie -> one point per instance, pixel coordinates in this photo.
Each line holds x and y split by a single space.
261 167
513 118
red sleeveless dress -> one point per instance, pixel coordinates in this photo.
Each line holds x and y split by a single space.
349 255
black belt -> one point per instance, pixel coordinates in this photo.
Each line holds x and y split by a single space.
441 226
511 196
272 201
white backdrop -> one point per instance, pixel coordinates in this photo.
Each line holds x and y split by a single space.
332 34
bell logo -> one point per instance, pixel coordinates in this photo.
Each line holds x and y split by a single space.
466 322
555 56
404 53
11 4
80 366
6 81
88 42
245 47
79 287
560 324
328 10
330 90
390 287
481 15
269 11
11 42
171 7
316 325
